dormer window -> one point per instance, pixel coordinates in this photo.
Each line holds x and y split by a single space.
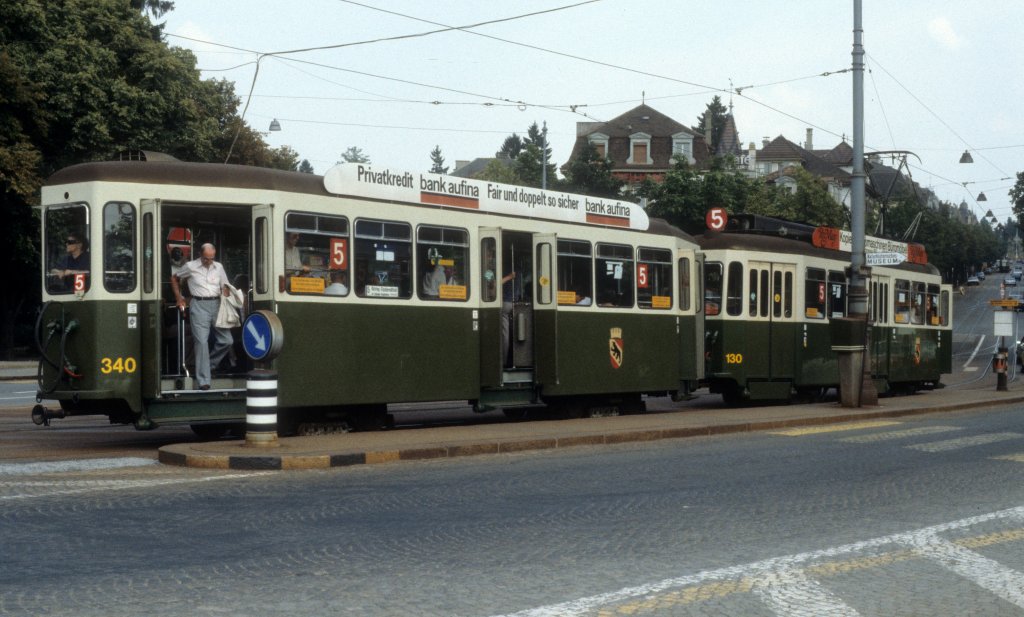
639 149
682 146
600 143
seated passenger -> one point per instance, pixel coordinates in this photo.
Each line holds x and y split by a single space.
337 286
432 281
293 257
582 299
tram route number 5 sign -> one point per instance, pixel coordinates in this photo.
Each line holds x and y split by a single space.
262 335
716 218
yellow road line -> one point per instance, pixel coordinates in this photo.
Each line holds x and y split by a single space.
834 428
1017 458
720 589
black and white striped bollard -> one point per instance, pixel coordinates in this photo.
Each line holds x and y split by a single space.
261 409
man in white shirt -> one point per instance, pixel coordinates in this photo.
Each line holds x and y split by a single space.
207 284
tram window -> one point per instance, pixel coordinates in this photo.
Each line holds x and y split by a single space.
901 310
684 283
119 247
777 294
316 254
815 294
383 256
917 307
712 288
654 278
444 252
66 249
261 255
752 310
943 309
148 252
489 271
836 294
614 276
931 306
543 277
787 299
764 293
734 285
575 273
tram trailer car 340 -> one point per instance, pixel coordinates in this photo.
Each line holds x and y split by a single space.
770 295
390 286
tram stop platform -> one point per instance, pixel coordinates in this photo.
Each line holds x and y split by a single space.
668 421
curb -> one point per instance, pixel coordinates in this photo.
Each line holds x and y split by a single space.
186 455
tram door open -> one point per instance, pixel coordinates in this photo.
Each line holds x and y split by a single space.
517 298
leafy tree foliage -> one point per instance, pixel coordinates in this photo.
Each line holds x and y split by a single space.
590 174
84 81
1017 196
305 167
354 155
437 160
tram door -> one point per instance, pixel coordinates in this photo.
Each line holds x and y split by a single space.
517 298
545 309
784 322
151 310
772 336
261 288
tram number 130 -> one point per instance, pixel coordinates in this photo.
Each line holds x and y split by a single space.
734 358
117 365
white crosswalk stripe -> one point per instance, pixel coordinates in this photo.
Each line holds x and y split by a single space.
1006 583
788 592
964 442
892 435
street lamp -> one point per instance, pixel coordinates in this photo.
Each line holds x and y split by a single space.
275 125
981 197
966 157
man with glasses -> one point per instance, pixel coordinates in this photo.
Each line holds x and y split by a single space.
207 284
75 261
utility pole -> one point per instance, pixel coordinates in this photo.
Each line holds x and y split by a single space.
855 352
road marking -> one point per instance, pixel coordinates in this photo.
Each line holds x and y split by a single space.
834 428
976 348
789 592
964 442
912 432
114 485
90 464
732 579
989 574
1017 458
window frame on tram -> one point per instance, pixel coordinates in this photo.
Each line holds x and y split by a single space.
450 249
388 246
613 275
323 248
575 263
654 265
119 236
55 246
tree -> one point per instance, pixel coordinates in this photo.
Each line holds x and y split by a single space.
591 174
305 167
498 170
511 147
1017 196
85 81
354 155
717 111
437 160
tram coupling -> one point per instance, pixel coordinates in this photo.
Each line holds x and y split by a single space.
41 416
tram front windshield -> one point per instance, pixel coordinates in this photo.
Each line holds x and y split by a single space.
66 249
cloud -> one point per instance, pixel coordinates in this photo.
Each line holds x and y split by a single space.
942 31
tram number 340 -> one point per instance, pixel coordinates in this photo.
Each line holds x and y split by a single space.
734 358
117 365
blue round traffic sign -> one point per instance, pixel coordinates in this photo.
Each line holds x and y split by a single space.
262 335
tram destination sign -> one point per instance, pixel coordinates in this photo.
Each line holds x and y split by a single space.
360 180
884 259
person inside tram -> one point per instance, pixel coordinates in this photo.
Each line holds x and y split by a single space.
74 261
293 257
338 286
582 299
433 280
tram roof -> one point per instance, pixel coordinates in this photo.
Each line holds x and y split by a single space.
242 177
774 244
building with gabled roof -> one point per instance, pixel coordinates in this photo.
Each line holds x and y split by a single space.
640 144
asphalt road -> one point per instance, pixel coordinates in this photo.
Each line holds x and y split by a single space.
922 516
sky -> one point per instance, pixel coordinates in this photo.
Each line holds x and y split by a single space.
397 80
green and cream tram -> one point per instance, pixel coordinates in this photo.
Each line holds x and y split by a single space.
389 287
770 295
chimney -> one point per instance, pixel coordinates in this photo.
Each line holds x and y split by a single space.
808 145
752 157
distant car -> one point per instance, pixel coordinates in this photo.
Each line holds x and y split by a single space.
988 270
980 275
1008 281
1019 297
973 280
